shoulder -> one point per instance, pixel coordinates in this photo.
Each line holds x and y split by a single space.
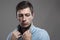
10 34
42 34
40 30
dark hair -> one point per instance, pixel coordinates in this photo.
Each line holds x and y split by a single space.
24 4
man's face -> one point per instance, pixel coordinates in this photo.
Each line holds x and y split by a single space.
25 17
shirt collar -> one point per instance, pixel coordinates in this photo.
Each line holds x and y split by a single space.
32 28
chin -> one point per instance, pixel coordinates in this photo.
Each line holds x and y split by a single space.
25 26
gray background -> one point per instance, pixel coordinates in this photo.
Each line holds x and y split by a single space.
47 16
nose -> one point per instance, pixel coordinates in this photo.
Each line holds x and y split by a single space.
24 19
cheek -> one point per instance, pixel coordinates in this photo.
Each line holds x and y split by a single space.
30 19
19 19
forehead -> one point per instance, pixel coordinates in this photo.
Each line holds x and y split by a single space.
24 11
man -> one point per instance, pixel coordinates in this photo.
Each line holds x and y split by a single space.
26 30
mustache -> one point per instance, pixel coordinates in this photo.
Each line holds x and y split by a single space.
23 21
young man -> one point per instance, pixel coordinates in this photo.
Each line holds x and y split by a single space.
26 30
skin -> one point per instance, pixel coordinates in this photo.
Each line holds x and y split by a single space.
25 18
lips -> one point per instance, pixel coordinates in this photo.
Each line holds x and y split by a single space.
24 23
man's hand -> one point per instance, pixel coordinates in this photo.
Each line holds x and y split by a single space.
15 35
27 35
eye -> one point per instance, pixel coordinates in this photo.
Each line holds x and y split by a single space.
20 15
27 14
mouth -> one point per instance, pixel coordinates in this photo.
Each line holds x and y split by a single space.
23 24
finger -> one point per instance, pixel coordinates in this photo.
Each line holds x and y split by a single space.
17 36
